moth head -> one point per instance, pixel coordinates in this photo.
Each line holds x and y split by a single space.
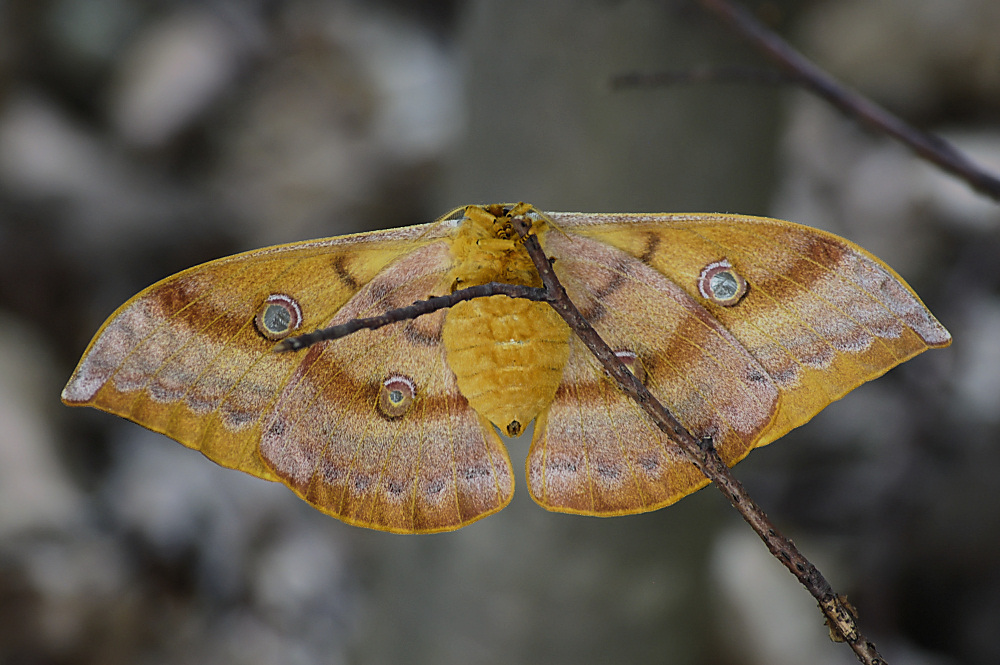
278 317
504 213
721 283
514 428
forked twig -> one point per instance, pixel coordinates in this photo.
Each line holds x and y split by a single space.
701 453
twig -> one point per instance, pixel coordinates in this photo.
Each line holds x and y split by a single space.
704 456
796 68
853 104
418 308
702 74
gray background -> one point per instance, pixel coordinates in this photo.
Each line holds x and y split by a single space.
140 138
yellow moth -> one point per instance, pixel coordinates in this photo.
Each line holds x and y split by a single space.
744 327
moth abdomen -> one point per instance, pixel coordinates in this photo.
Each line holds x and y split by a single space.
508 357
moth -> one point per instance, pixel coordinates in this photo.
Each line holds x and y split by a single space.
744 327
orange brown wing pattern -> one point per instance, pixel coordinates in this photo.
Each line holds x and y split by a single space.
433 466
185 358
820 317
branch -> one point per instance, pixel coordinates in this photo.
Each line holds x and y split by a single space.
798 69
703 454
418 308
932 148
840 617
702 74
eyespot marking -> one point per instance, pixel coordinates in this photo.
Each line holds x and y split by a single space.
720 283
396 395
278 317
631 361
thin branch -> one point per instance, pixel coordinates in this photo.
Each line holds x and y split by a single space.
704 456
702 74
853 104
418 308
796 68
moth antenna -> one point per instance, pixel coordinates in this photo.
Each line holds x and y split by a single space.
451 215
542 218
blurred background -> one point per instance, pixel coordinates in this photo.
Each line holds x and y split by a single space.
141 137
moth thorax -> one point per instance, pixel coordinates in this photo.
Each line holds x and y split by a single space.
508 356
486 250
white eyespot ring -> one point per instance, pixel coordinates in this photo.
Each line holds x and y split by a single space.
396 395
720 283
278 317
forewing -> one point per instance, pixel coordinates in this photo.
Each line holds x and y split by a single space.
821 315
185 358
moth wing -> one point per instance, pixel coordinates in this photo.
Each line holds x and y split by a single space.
820 317
594 450
435 466
184 356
